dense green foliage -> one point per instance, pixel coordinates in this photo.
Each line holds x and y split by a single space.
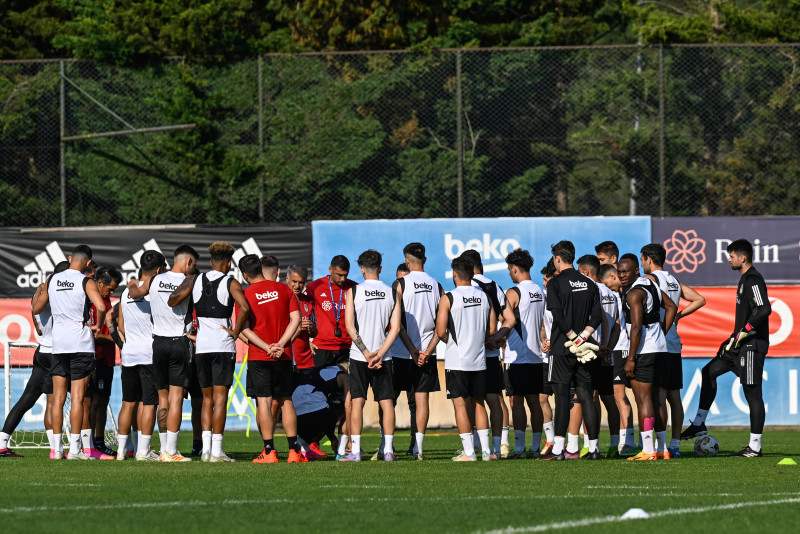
437 495
544 131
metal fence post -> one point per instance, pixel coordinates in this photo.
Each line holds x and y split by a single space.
261 137
459 139
661 128
62 144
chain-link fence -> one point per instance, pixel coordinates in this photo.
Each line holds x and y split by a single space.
684 130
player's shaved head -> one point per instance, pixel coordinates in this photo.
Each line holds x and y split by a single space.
415 251
184 250
81 253
589 262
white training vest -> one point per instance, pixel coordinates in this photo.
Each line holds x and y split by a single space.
210 337
45 320
420 302
623 343
167 322
501 298
524 344
138 347
653 339
467 322
70 308
672 288
373 304
609 304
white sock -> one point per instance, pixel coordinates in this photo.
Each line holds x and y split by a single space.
86 438
549 431
629 437
483 436
388 444
593 447
755 442
467 443
419 437
536 441
476 440
622 439
519 440
4 439
674 443
144 444
343 444
216 445
504 436
206 437
572 442
586 440
558 444
661 440
303 444
700 418
122 441
647 441
614 440
74 443
172 442
58 444
49 439
355 448
496 443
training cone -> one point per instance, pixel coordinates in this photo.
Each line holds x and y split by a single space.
787 461
635 513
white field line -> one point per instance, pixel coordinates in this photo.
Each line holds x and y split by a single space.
653 515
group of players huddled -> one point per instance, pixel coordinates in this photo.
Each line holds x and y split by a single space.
314 350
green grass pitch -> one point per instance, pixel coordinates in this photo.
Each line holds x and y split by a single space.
718 494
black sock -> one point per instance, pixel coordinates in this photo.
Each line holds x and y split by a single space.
197 444
99 443
269 445
293 443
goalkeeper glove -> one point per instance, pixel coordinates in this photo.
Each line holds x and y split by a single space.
578 343
740 336
585 354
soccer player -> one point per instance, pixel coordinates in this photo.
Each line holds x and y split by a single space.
466 321
296 278
669 372
270 268
332 342
139 393
522 325
607 274
172 349
273 317
743 352
575 304
607 335
641 305
372 318
99 391
419 294
607 252
40 382
498 411
317 412
548 272
212 296
73 342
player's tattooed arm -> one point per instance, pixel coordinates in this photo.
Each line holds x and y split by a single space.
136 291
182 292
360 343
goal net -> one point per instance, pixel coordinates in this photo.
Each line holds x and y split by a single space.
30 433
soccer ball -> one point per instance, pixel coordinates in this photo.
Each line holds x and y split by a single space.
706 446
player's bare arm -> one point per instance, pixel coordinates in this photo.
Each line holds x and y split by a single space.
636 298
395 325
441 319
695 299
136 291
508 320
41 298
670 310
244 307
290 332
184 290
33 315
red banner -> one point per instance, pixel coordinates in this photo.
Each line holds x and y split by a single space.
16 325
704 330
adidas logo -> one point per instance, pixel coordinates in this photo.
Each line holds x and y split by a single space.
131 267
249 246
44 263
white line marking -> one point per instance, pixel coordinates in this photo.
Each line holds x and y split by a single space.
75 484
653 515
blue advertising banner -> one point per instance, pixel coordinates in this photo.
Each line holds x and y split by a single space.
696 246
444 239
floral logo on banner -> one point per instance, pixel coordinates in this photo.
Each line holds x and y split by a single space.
685 251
